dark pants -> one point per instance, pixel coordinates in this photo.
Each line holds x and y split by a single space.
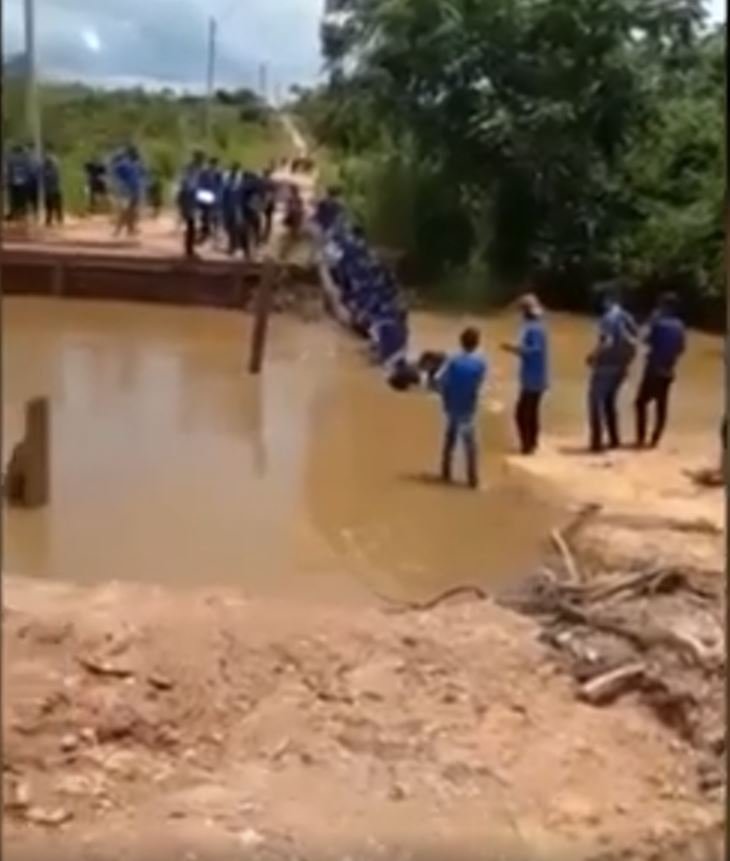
233 232
54 208
460 429
206 223
527 418
18 202
190 233
654 389
603 392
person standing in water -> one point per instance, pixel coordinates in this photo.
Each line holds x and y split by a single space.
609 365
667 341
532 351
459 384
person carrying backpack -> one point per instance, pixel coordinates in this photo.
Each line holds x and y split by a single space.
609 363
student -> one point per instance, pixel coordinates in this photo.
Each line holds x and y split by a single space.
129 177
209 199
250 196
187 201
96 187
154 194
329 210
609 365
459 384
533 355
230 208
666 341
17 180
34 185
269 193
52 190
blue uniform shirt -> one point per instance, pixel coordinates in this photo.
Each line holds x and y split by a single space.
667 341
534 357
460 383
617 331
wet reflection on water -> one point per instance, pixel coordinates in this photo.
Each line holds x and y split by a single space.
171 464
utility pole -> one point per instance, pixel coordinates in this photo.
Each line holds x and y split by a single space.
32 108
210 83
263 81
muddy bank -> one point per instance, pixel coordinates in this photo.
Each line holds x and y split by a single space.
422 734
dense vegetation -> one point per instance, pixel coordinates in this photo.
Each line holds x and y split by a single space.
561 141
80 122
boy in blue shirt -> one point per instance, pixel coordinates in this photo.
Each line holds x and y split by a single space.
533 355
459 384
666 341
609 365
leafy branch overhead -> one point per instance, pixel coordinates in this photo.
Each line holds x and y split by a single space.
566 132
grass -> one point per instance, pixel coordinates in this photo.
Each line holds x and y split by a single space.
80 122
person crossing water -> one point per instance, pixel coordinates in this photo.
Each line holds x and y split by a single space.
459 384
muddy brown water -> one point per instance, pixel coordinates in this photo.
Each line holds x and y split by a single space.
170 464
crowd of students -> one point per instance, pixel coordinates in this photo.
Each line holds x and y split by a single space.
237 202
370 302
24 177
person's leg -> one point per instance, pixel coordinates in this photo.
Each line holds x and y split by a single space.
596 388
204 224
447 456
521 422
533 417
469 440
663 386
610 406
643 399
189 234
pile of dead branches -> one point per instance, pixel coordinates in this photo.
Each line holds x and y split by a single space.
655 634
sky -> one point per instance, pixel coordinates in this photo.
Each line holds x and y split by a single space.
163 42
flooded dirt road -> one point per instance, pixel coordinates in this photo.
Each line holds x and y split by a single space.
172 465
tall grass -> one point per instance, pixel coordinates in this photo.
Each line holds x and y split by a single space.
80 123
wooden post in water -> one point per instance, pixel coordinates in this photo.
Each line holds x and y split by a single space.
262 309
27 480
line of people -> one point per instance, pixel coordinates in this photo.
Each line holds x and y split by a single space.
368 294
24 177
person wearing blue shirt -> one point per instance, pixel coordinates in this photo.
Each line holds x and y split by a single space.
129 177
210 186
329 210
231 209
187 201
18 170
459 385
666 340
532 351
609 365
